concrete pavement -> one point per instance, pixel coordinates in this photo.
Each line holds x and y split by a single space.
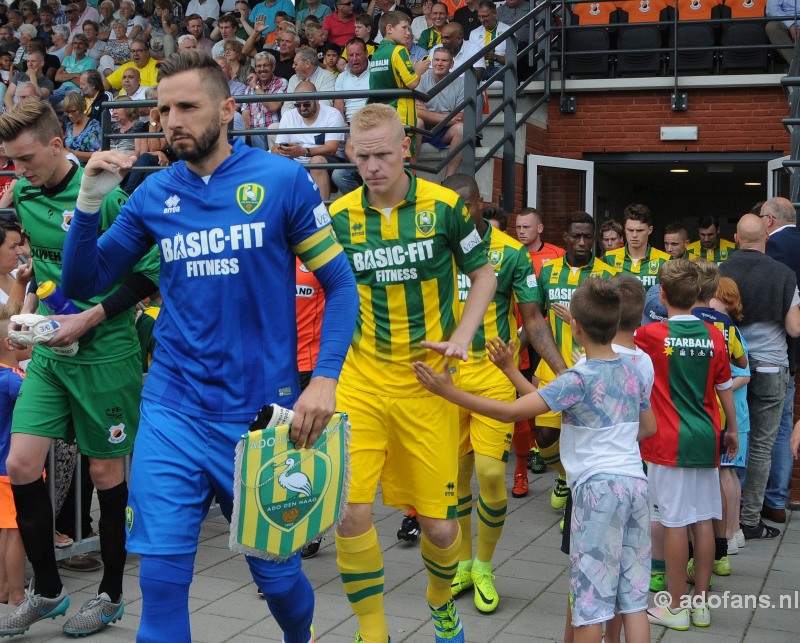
531 580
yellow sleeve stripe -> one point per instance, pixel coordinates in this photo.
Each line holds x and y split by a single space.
309 242
318 249
323 258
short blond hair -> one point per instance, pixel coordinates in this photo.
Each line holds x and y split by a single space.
374 115
34 115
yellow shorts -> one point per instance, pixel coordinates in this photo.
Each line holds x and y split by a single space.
8 511
553 420
408 444
482 434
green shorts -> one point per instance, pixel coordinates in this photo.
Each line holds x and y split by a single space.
97 405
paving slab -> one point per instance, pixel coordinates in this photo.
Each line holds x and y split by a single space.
531 578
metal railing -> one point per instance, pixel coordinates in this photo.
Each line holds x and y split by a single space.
537 39
527 37
792 124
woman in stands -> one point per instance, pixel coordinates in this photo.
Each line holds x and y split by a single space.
83 134
240 63
60 37
118 51
126 121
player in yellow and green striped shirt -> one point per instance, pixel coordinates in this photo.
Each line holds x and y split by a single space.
485 442
405 238
558 280
637 257
710 247
432 36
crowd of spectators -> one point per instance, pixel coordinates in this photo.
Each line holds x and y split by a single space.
107 49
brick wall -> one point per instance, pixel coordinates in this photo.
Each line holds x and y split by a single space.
728 120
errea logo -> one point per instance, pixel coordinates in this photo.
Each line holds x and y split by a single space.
172 204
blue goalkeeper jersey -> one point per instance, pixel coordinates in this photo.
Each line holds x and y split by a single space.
226 338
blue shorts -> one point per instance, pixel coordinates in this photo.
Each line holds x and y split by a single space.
179 464
437 141
609 548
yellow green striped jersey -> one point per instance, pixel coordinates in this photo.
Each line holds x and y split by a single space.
645 270
390 68
717 255
515 283
405 264
557 282
430 38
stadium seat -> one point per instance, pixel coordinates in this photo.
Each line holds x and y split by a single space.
587 39
646 62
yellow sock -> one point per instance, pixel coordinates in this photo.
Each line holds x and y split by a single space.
441 565
465 468
552 456
492 504
361 568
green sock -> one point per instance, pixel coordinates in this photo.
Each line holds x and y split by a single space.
658 567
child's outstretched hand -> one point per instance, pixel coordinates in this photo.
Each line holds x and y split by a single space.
732 443
438 383
500 354
562 312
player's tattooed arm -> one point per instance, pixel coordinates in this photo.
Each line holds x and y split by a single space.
539 336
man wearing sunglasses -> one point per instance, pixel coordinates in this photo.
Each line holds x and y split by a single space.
84 12
312 148
341 25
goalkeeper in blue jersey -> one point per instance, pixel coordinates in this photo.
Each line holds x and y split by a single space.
228 221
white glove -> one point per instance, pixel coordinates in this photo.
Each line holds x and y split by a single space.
94 189
40 330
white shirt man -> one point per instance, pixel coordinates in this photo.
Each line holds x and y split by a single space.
453 37
132 84
355 77
311 148
490 29
324 116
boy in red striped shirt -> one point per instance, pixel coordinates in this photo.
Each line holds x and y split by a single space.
691 369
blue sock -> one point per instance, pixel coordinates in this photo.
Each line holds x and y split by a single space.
290 599
165 603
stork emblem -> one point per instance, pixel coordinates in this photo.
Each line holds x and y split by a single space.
250 196
297 481
291 485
